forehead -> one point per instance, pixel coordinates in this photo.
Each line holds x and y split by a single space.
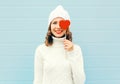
57 19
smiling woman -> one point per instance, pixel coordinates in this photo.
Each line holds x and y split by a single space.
56 30
58 60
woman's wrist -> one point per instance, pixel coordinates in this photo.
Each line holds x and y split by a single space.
71 48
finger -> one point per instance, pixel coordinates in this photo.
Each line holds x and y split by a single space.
66 42
66 48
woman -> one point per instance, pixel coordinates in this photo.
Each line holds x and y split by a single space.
58 60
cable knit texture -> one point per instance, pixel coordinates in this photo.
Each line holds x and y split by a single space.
55 65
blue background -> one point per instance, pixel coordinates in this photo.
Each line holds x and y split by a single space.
95 26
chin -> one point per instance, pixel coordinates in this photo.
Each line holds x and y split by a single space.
59 36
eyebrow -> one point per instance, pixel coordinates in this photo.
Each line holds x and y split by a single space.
54 21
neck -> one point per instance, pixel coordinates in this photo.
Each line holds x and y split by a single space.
58 42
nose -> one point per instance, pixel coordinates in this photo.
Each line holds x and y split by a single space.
58 27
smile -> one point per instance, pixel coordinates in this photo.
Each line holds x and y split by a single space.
58 31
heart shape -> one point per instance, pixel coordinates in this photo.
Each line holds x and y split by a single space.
64 24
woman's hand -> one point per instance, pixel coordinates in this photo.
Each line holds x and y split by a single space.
68 45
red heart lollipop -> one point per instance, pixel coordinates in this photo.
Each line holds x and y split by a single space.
64 24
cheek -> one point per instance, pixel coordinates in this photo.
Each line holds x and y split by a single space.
64 31
52 27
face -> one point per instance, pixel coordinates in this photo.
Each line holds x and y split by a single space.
55 28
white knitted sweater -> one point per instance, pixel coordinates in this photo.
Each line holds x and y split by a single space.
55 65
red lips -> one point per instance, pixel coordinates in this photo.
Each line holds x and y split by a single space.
64 24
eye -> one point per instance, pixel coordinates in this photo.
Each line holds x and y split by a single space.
55 22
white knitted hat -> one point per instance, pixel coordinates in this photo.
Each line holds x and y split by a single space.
59 11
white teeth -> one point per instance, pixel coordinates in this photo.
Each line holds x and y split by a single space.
58 31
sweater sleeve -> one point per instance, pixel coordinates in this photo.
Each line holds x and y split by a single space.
76 61
38 67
